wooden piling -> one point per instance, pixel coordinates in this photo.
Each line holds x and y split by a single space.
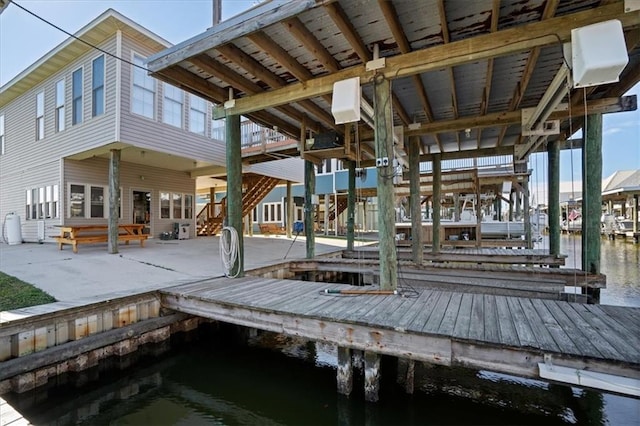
114 200
344 371
592 194
371 376
351 204
436 203
414 200
553 190
234 188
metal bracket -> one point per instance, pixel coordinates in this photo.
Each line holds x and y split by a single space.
376 64
549 127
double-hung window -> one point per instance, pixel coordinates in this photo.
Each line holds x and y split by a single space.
172 105
272 212
76 103
144 90
42 202
60 105
87 201
176 206
97 86
197 114
40 116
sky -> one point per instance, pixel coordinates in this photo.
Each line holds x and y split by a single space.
24 39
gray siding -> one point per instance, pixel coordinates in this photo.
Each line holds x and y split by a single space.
154 134
133 177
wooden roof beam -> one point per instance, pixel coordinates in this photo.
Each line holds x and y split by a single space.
348 31
391 17
311 43
486 95
548 13
505 42
452 80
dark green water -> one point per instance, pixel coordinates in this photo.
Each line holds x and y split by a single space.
220 378
278 380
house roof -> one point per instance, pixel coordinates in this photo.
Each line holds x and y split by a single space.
95 32
623 181
462 72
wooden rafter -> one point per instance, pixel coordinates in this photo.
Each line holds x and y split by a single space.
311 43
452 79
486 95
548 13
508 41
395 26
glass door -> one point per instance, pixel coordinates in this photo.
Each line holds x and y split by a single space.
142 209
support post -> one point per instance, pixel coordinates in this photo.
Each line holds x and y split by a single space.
234 188
289 209
371 376
527 212
512 196
553 190
518 204
478 212
327 204
212 209
592 194
435 201
635 216
309 190
406 374
114 200
344 371
386 213
417 243
351 205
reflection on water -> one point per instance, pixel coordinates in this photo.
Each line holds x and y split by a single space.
619 261
283 380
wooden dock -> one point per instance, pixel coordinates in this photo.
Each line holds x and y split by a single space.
498 333
470 255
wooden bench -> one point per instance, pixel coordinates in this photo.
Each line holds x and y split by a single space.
272 228
92 234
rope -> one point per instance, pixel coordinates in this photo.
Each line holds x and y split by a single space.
229 248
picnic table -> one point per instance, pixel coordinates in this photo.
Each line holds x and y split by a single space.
87 234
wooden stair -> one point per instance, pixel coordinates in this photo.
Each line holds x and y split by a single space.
258 187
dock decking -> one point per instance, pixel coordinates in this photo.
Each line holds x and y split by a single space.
498 333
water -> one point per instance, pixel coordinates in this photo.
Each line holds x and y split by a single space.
221 378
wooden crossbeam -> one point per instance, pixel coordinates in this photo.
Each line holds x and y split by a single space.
505 42
486 94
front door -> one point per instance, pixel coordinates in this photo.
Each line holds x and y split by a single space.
142 209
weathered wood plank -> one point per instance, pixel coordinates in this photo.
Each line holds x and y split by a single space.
522 326
560 337
626 350
461 329
491 327
542 335
421 319
415 310
507 330
393 319
591 333
449 319
572 329
476 327
433 323
632 335
625 315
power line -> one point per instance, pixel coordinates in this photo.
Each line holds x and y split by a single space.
77 38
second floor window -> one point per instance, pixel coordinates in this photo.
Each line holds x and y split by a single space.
172 106
60 106
197 114
76 104
144 90
1 134
40 116
97 87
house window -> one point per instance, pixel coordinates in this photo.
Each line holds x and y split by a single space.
177 206
188 206
97 201
144 90
165 206
217 129
40 116
76 201
299 214
197 114
97 86
1 134
272 212
60 105
42 202
172 106
254 215
76 103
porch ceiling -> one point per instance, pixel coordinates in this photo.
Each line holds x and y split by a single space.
454 65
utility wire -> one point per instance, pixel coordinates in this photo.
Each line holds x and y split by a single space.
77 38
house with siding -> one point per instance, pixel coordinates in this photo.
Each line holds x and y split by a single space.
61 118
